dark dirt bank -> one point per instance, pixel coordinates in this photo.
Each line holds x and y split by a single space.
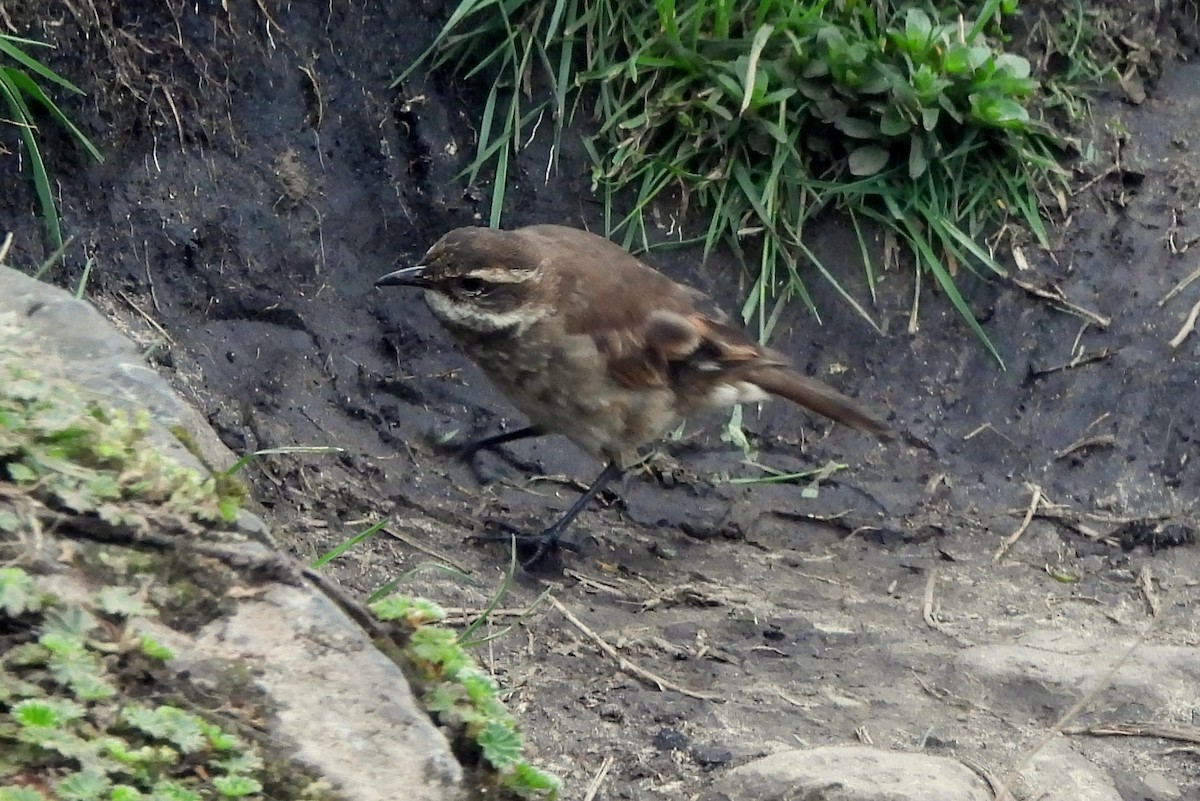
260 175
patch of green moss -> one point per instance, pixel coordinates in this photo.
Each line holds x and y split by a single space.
74 455
84 715
464 698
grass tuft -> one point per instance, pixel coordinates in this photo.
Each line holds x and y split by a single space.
21 90
763 114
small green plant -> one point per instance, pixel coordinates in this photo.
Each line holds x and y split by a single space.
462 695
455 689
766 113
19 87
348 543
63 720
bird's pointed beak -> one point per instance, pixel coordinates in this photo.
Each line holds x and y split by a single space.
409 276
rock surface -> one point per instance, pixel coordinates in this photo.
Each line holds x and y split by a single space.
852 773
337 702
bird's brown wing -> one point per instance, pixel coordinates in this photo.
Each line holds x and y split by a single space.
646 325
607 294
654 332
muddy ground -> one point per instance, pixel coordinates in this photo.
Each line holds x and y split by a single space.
260 175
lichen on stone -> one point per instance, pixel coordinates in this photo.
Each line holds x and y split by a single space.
73 454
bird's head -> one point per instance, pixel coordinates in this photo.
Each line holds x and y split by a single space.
478 281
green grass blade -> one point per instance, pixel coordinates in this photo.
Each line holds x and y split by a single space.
245 459
868 264
837 285
499 184
53 258
497 596
930 260
483 151
761 37
952 235
37 167
27 85
8 48
83 279
347 544
461 12
390 586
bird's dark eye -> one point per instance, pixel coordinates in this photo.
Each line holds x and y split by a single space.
473 286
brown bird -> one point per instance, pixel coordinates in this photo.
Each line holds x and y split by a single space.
590 343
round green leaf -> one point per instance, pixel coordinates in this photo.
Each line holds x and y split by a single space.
868 160
857 128
917 161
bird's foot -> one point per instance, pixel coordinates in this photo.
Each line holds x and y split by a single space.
532 549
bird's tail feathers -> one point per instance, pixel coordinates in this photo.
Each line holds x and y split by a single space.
817 397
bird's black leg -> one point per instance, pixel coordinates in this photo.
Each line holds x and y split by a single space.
551 539
470 450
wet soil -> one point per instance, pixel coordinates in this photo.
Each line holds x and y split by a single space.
259 176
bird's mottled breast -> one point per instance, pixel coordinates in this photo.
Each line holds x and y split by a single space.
561 383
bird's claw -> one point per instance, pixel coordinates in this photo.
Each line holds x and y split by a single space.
538 546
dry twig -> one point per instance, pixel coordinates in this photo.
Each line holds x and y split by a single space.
625 664
1189 325
982 772
1106 440
927 606
1056 298
1004 793
1016 535
1165 731
464 614
594 787
1146 582
1182 285
425 549
1078 360
150 320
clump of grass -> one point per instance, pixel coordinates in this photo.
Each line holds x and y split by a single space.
21 92
1074 54
765 113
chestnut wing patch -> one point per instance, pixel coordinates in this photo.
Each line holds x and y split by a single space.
629 362
671 347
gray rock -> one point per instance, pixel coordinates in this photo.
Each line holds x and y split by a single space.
1059 774
335 695
84 347
852 773
1157 787
345 707
1050 669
